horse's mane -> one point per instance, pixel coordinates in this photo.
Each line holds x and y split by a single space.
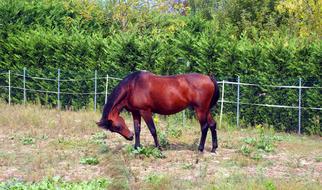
112 98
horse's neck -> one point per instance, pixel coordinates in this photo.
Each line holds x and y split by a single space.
118 104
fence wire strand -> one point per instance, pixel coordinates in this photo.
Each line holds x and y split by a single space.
115 78
273 86
64 80
55 92
271 105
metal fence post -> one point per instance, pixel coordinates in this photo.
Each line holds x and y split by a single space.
238 97
106 86
24 86
222 102
300 100
95 89
9 87
58 89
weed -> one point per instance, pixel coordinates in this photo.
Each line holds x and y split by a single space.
99 135
174 131
278 138
256 156
44 137
265 144
89 161
315 128
163 139
154 179
56 183
103 149
249 140
145 151
99 138
269 185
71 143
27 140
173 126
245 150
318 159
156 119
262 142
188 166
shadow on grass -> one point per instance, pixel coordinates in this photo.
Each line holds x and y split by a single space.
169 147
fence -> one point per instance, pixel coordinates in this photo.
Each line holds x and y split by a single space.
95 92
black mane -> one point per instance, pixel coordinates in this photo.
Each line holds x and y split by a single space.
116 93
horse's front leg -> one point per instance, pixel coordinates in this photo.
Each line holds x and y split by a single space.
147 116
137 128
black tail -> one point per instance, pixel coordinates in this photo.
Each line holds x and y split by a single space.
216 94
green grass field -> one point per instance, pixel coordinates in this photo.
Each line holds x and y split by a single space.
49 149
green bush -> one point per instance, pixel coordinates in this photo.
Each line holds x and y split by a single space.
80 37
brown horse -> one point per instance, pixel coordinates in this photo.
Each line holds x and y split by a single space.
143 93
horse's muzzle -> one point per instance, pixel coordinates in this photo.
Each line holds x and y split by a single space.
129 138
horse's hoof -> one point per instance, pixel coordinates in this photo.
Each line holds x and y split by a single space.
137 146
159 147
200 150
213 150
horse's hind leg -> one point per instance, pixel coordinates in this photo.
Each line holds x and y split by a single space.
137 128
147 116
212 125
202 117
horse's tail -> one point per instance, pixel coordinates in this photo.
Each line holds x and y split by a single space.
216 94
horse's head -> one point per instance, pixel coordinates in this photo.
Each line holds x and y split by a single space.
116 125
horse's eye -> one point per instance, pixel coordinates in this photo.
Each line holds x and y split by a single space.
117 127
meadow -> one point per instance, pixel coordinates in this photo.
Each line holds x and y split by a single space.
43 148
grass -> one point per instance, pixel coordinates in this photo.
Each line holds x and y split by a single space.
89 160
318 159
27 140
145 152
56 183
39 144
264 142
99 138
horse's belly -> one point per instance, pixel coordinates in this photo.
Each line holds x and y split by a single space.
167 107
168 111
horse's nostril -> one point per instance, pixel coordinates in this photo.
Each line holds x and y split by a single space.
130 138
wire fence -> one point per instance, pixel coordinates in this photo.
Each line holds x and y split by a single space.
107 80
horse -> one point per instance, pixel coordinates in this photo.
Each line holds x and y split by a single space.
143 93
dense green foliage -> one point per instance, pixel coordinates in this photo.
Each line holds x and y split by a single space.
250 39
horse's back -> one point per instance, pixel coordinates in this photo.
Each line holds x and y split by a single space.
171 94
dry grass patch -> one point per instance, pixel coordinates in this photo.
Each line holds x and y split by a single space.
38 142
